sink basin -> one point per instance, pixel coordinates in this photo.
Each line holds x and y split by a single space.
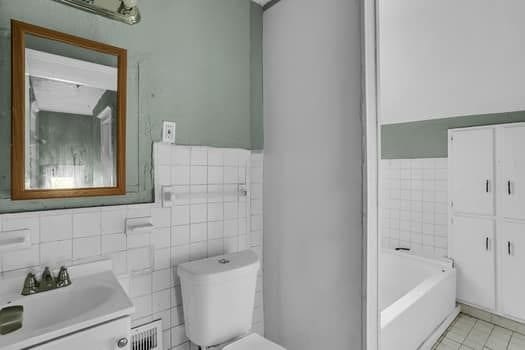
90 300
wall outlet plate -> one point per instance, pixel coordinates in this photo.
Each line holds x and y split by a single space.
168 131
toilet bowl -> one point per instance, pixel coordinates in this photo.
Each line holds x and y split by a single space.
218 296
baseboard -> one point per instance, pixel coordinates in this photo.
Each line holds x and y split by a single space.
440 330
502 321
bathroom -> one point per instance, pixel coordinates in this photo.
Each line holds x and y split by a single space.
261 174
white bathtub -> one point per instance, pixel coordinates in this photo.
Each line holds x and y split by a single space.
418 295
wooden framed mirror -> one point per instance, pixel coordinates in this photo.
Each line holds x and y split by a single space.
68 124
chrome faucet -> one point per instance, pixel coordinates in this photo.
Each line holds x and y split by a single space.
47 282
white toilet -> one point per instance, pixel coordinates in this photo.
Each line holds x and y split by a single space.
218 297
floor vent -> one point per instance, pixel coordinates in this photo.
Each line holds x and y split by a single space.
147 337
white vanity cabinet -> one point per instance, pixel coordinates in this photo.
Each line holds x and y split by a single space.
102 337
487 216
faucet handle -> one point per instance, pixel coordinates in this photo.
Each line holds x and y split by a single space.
48 281
63 279
30 284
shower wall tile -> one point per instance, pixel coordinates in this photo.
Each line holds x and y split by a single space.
207 220
414 205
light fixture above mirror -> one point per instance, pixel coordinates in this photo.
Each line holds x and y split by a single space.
125 11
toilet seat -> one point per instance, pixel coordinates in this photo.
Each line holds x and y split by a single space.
253 342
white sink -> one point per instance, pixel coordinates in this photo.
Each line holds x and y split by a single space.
92 298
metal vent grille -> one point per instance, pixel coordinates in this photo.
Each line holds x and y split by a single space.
147 337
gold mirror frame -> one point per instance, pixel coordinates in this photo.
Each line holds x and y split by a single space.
18 190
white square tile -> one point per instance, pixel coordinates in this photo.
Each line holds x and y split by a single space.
215 157
180 235
177 316
163 153
23 258
21 222
230 210
86 247
231 245
215 247
115 242
56 227
161 217
180 155
198 213
215 175
180 215
138 211
112 220
180 175
230 157
120 262
56 252
198 250
231 228
199 156
215 211
230 175
215 193
198 175
161 300
86 224
163 175
165 316
138 240
161 237
180 254
162 258
143 306
198 232
215 229
140 284
178 336
139 259
166 337
162 279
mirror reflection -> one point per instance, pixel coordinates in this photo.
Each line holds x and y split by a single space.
71 120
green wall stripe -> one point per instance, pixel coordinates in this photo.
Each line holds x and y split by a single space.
428 138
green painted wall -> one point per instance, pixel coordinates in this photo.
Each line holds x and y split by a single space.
256 71
190 61
428 138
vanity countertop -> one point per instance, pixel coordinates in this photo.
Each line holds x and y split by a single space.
93 298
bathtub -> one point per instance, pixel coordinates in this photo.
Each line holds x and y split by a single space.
417 300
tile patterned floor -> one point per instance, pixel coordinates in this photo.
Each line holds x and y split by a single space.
469 333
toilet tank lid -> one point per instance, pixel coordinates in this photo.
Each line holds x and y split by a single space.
219 265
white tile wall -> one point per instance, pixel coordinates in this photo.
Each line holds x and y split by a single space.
207 223
414 205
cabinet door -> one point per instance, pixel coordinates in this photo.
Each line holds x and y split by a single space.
472 248
103 337
511 252
471 171
513 165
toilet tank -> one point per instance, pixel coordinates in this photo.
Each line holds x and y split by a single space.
218 297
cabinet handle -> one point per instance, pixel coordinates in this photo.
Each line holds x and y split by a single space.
509 189
487 243
487 186
509 247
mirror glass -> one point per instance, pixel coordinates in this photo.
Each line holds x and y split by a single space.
71 116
